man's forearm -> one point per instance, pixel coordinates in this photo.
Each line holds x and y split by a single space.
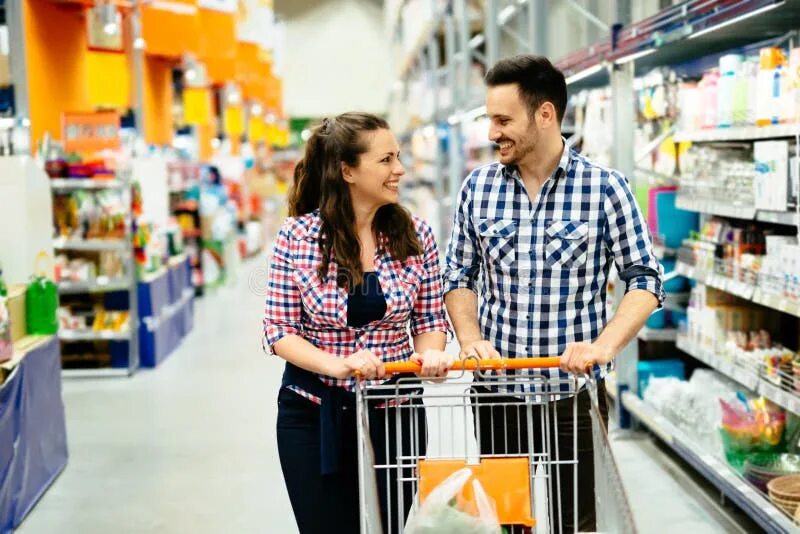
462 307
633 311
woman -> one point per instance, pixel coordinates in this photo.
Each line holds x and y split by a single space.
351 272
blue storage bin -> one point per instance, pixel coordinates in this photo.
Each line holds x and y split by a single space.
676 285
678 319
673 225
657 320
658 369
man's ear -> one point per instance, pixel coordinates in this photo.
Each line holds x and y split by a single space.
547 115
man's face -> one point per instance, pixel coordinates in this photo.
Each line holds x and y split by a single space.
511 127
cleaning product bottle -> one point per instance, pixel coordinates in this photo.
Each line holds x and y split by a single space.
729 66
769 86
709 95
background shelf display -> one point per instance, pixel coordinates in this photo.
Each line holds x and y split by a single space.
738 212
90 245
77 184
740 289
743 133
123 345
99 285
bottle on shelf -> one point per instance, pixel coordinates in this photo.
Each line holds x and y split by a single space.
769 86
729 67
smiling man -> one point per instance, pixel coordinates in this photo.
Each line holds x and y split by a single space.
533 241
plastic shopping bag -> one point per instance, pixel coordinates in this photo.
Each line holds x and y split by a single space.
446 511
41 303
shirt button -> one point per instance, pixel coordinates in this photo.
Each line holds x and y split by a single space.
545 291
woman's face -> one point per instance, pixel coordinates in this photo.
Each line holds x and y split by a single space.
375 181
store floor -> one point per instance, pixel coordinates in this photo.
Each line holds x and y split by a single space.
190 446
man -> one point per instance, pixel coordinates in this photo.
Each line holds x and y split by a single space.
533 241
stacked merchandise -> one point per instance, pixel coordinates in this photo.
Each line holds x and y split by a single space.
744 90
93 219
756 438
184 187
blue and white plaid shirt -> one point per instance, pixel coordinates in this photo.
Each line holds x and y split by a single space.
540 268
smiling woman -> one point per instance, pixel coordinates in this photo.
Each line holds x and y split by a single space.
354 282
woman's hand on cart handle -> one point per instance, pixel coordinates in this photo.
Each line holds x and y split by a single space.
362 364
479 348
433 363
580 358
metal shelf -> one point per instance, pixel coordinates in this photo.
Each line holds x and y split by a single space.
714 469
649 334
100 285
744 133
90 244
746 377
91 335
740 289
680 34
77 184
786 399
723 209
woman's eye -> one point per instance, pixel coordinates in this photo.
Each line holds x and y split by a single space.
386 160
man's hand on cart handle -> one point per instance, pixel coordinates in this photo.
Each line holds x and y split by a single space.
580 358
480 348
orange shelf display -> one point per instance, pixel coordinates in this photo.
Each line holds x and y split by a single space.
171 28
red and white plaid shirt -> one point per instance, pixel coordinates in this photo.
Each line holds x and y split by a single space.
300 303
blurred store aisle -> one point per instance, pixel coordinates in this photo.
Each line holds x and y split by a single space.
187 448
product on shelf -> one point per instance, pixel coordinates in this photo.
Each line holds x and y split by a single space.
90 215
749 426
753 90
6 349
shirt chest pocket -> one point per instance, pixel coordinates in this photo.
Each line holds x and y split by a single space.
498 239
566 243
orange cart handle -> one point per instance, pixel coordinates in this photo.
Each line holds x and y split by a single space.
471 364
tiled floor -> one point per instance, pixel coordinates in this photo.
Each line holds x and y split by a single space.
190 447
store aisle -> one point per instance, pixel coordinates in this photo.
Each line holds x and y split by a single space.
188 447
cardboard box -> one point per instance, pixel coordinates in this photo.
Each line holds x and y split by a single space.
771 183
16 308
5 71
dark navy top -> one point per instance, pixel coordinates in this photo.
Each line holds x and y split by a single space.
366 302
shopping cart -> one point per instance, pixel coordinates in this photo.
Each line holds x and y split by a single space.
425 433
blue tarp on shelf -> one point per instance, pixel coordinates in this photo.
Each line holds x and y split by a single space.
33 435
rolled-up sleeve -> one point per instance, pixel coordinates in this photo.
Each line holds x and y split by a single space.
428 314
628 239
463 261
283 308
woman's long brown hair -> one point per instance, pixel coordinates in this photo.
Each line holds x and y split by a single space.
318 183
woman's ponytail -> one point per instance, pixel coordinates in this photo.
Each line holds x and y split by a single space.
306 191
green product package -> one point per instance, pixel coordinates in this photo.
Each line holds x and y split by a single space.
41 302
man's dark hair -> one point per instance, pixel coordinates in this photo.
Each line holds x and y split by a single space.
538 81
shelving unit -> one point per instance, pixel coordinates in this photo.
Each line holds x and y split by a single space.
741 289
752 379
126 284
714 469
722 209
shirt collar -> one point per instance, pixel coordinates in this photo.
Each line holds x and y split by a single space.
512 171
